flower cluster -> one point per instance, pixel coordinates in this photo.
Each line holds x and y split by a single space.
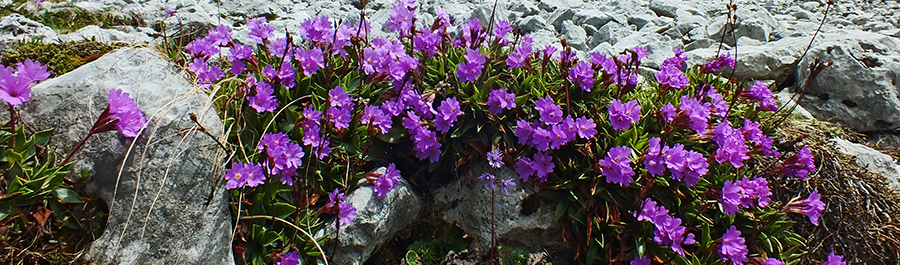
811 207
387 181
744 193
621 116
345 210
495 160
685 165
760 92
667 229
122 114
244 175
15 89
720 62
733 247
499 100
617 166
732 146
283 156
799 164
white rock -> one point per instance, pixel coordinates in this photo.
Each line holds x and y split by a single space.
15 28
872 160
129 35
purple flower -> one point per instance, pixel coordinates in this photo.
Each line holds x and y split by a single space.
550 112
346 213
495 158
311 114
310 60
375 116
488 180
675 158
220 36
760 92
641 52
642 260
617 166
31 71
498 100
507 184
13 89
834 259
447 114
811 207
284 156
317 29
169 11
650 212
543 165
291 258
719 63
671 76
668 112
205 73
524 132
524 168
338 98
263 100
772 261
733 247
719 106
202 47
676 60
427 42
335 197
401 19
286 74
756 190
622 115
654 160
562 133
541 138
125 113
583 75
731 197
693 114
242 174
501 29
469 33
520 56
799 164
259 30
340 117
751 131
695 167
732 147
470 70
585 127
426 145
311 136
387 181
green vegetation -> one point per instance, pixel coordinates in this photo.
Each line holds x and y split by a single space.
59 58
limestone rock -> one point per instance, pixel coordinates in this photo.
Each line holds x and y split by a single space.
126 34
860 89
377 220
15 28
167 203
872 160
575 35
467 203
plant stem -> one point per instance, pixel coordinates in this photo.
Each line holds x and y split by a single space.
493 243
75 149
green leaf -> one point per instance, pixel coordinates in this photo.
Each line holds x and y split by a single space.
67 195
560 209
5 210
282 210
43 137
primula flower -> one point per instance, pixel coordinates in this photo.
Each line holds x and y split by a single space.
550 112
834 259
811 207
387 181
524 168
520 56
317 29
470 70
733 247
654 160
310 60
731 197
340 117
30 71
495 158
259 30
756 190
719 106
15 90
122 114
585 127
498 100
291 258
169 11
693 115
202 47
541 138
501 29
241 174
772 261
617 166
401 18
447 114
427 42
668 112
671 76
642 260
650 212
469 33
323 149
676 60
799 164
426 145
695 167
376 117
263 100
667 230
719 63
338 98
622 115
732 146
760 92
543 165
488 180
506 185
346 211
284 156
562 133
524 132
220 36
583 75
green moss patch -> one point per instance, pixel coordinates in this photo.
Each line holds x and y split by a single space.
59 58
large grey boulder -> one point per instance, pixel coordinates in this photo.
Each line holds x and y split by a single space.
767 61
861 88
377 220
167 204
17 28
467 204
872 160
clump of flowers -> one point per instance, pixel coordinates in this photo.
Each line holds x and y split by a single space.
811 207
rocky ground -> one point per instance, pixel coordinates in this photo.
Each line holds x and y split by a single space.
772 40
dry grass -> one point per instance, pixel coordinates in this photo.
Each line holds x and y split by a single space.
861 220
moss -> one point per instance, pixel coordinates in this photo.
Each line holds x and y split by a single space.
67 20
59 58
